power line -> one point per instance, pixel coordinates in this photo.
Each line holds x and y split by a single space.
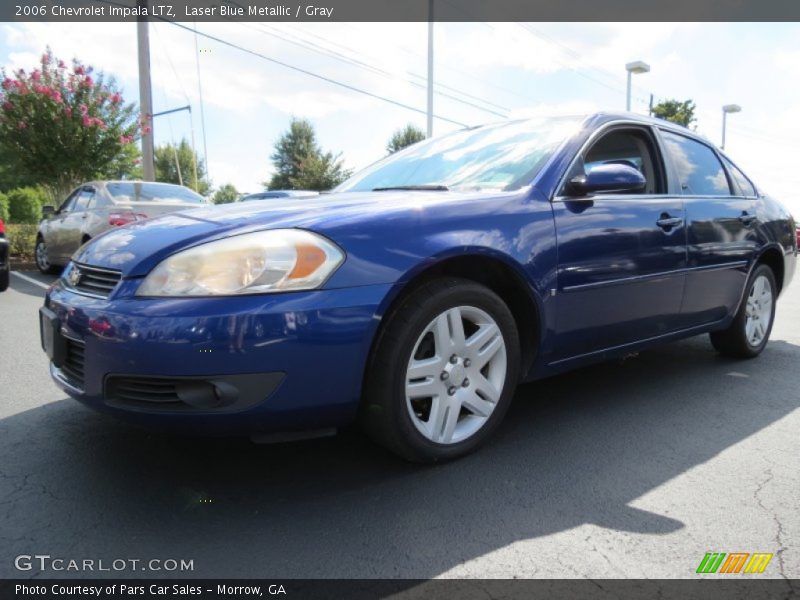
312 74
411 73
617 87
379 71
458 71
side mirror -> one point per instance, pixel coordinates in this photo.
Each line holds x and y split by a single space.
611 177
48 211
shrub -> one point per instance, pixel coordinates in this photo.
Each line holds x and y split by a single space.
21 238
25 205
3 207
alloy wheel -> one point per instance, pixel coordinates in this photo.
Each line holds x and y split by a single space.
42 260
758 311
455 376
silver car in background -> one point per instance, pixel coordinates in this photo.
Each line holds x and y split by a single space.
94 207
270 194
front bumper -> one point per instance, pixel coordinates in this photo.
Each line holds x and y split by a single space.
309 348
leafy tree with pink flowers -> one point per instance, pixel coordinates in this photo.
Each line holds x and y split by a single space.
63 124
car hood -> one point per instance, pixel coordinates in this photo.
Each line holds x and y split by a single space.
135 249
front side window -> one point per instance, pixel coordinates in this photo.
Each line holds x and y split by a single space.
631 147
699 170
83 199
742 182
504 156
66 206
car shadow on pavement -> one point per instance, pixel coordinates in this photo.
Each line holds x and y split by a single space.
574 449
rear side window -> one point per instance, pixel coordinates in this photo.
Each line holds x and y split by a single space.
740 180
138 191
699 170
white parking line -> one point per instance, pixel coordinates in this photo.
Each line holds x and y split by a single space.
30 280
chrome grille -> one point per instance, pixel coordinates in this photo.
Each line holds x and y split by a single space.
92 280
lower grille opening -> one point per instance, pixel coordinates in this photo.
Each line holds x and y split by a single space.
169 394
72 367
189 394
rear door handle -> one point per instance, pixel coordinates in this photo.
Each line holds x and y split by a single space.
747 219
666 222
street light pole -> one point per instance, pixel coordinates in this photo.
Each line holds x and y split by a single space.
635 67
430 68
728 108
145 95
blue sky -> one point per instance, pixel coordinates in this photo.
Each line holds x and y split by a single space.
508 69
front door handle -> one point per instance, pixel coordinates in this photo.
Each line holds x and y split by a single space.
746 218
666 222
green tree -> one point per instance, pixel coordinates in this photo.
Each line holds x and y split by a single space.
404 137
62 125
319 172
225 194
676 111
166 166
300 163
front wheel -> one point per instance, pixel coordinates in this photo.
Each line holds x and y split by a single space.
43 258
749 332
5 275
443 372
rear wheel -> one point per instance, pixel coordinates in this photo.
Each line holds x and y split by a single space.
43 259
443 372
5 275
748 334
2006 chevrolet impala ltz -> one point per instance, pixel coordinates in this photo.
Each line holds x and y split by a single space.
422 290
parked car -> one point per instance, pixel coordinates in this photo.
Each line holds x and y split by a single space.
422 290
271 194
94 207
5 263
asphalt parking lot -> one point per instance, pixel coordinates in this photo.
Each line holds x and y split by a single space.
632 469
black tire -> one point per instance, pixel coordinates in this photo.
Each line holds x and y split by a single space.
49 269
384 412
5 276
733 341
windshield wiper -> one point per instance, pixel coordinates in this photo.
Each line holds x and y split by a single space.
414 188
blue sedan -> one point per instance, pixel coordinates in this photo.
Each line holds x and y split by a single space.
419 293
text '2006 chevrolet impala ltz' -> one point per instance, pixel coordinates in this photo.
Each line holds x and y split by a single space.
421 291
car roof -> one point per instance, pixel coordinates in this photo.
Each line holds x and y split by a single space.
603 117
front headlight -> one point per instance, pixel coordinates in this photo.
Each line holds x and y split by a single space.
252 263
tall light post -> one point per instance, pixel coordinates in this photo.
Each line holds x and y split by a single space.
636 67
145 95
430 70
728 108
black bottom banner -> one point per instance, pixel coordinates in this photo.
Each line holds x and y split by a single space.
400 589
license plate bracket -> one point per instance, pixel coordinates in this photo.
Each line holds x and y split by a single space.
53 343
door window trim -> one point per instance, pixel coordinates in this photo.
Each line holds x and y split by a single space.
601 131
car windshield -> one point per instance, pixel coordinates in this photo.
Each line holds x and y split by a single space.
137 191
504 156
